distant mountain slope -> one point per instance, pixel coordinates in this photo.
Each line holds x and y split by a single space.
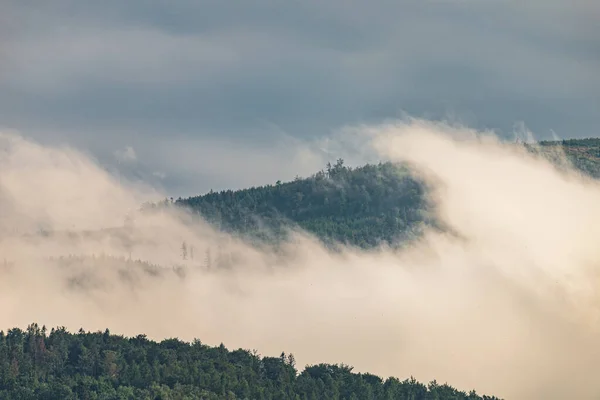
584 154
361 206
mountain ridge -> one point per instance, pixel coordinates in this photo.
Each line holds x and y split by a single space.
37 364
363 206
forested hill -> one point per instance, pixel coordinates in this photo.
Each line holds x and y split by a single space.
359 206
582 153
58 365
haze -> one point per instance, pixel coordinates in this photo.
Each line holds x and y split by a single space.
506 304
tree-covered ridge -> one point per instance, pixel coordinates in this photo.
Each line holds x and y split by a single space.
360 206
36 364
570 143
584 154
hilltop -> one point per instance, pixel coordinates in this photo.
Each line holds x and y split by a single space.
360 206
363 206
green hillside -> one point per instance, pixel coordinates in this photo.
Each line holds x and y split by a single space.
361 206
58 365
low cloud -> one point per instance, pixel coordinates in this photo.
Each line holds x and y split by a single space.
506 304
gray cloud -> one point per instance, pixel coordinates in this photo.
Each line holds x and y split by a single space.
126 155
136 73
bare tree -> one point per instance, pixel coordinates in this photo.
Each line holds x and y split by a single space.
184 252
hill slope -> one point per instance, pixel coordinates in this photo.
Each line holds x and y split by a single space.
61 365
362 206
584 154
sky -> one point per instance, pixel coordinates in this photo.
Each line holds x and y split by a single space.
199 95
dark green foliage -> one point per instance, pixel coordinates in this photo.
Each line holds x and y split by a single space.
570 143
61 365
583 154
363 206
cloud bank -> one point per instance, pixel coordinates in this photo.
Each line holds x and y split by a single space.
506 304
131 73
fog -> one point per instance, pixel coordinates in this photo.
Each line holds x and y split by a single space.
505 304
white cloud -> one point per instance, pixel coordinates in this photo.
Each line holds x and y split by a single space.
508 305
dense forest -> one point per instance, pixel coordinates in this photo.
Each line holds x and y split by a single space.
36 364
584 154
363 206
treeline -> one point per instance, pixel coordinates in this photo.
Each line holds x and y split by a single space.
36 364
362 206
583 154
585 142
